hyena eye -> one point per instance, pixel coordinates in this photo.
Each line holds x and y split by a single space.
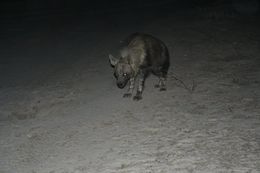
124 74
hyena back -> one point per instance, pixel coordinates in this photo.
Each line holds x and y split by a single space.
142 54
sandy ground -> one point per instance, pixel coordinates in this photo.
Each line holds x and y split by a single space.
61 112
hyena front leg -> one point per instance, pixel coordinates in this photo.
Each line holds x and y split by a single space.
140 89
131 88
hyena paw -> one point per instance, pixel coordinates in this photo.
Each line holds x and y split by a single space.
137 97
163 89
156 86
127 95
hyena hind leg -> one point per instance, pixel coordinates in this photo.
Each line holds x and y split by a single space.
162 74
161 84
162 81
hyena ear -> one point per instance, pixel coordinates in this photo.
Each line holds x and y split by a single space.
113 61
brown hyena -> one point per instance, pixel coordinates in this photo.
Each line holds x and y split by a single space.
142 54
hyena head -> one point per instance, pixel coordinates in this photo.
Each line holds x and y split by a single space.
122 71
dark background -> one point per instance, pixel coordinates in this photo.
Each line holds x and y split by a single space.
22 6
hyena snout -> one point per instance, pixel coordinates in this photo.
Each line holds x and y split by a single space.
121 84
